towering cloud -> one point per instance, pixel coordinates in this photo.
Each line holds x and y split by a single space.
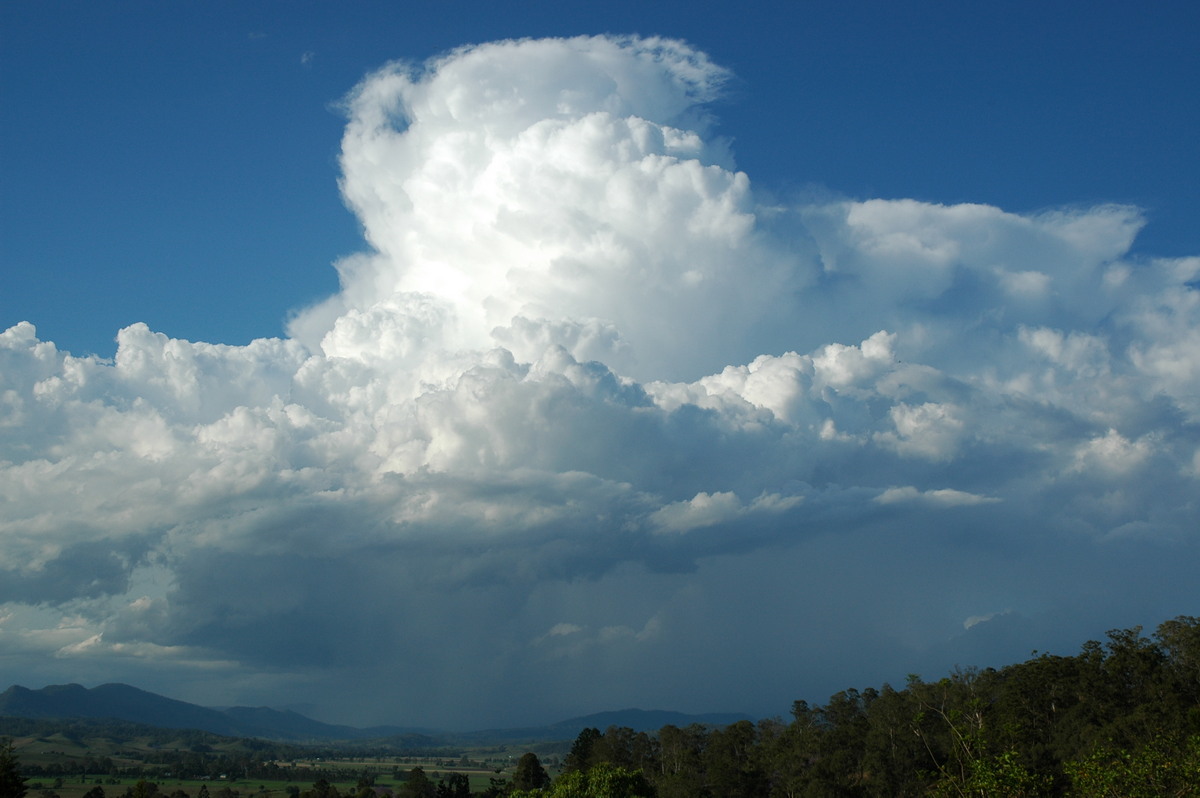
585 406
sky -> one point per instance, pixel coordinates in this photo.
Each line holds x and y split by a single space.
465 365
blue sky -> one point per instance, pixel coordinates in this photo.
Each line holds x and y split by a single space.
355 347
175 163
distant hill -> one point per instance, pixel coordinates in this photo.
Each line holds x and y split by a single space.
646 720
118 701
640 720
123 702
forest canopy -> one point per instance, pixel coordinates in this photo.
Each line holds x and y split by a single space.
1120 718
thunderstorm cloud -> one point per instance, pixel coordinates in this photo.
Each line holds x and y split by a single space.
590 420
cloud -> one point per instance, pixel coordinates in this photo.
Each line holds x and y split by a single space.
583 380
705 510
975 620
560 629
945 497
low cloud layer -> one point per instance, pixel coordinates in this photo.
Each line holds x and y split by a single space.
590 421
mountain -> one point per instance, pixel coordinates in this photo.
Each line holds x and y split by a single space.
646 720
118 701
288 725
640 720
122 702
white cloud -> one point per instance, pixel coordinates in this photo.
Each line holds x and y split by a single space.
519 200
1112 454
560 629
96 647
575 349
943 497
975 620
704 510
930 430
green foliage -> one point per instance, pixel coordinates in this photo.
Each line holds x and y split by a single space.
417 785
580 757
1110 721
12 783
321 789
365 788
530 775
998 776
599 781
456 785
731 764
144 789
1157 769
679 770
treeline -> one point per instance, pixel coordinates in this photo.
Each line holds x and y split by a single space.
212 766
153 751
1119 719
138 751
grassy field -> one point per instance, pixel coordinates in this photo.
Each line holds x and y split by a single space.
117 755
71 749
114 788
381 770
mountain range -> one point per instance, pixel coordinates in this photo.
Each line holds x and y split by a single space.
124 702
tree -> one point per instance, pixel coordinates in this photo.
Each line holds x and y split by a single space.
615 747
580 755
1152 770
418 785
893 753
456 785
320 789
530 775
497 786
786 753
365 787
145 789
1179 640
841 728
600 781
12 783
680 773
730 763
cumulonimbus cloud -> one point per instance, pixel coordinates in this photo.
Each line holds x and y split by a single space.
576 328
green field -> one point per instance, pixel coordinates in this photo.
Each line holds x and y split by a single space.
52 757
116 787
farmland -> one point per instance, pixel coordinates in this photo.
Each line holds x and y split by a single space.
72 758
